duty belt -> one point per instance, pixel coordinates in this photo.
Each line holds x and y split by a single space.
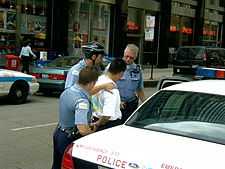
72 131
134 99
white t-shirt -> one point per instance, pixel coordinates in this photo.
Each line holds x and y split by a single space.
105 103
26 51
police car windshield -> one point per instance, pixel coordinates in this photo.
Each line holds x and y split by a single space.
189 114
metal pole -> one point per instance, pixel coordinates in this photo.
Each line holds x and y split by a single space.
157 51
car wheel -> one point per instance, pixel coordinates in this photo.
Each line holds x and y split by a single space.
19 92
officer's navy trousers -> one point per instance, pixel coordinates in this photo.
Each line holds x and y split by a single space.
129 109
60 142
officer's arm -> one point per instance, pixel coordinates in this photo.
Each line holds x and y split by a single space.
140 91
82 109
102 121
141 95
85 129
109 107
106 86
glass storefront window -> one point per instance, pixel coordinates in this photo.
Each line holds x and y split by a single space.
78 28
134 20
101 24
88 21
210 31
33 22
181 31
10 4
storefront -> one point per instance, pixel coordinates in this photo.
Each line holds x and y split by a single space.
26 22
213 25
181 31
89 21
142 28
211 33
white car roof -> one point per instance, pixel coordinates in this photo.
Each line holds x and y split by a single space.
201 86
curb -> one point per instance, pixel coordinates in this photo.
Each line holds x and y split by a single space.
150 83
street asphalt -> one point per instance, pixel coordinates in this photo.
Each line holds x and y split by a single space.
153 75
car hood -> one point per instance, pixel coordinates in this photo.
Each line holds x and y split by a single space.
12 73
129 147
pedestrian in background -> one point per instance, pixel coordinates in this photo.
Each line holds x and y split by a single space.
74 114
93 55
106 105
26 56
131 85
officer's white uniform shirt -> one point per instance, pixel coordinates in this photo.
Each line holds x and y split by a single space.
105 103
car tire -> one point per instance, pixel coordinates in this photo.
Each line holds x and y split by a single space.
19 92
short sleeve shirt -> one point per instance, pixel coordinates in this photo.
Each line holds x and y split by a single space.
131 82
74 107
73 74
106 103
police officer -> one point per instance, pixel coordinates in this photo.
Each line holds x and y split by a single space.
93 55
74 114
131 84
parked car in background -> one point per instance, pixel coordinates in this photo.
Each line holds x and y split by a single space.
52 76
179 127
17 86
188 58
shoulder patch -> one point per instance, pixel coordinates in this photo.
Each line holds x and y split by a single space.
83 106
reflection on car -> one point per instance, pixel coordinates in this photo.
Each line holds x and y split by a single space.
52 76
17 86
181 127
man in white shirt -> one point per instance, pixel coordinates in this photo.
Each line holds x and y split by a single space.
106 105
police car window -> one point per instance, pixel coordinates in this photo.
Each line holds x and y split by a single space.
188 114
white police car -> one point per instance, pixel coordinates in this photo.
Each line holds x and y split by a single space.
179 127
16 85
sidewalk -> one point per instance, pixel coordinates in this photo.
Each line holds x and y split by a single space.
157 73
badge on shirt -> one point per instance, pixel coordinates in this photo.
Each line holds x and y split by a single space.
83 106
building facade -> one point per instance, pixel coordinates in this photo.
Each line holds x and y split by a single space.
158 27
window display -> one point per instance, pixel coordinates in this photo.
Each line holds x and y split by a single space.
210 31
78 28
181 30
11 20
134 20
34 21
88 21
2 19
101 24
